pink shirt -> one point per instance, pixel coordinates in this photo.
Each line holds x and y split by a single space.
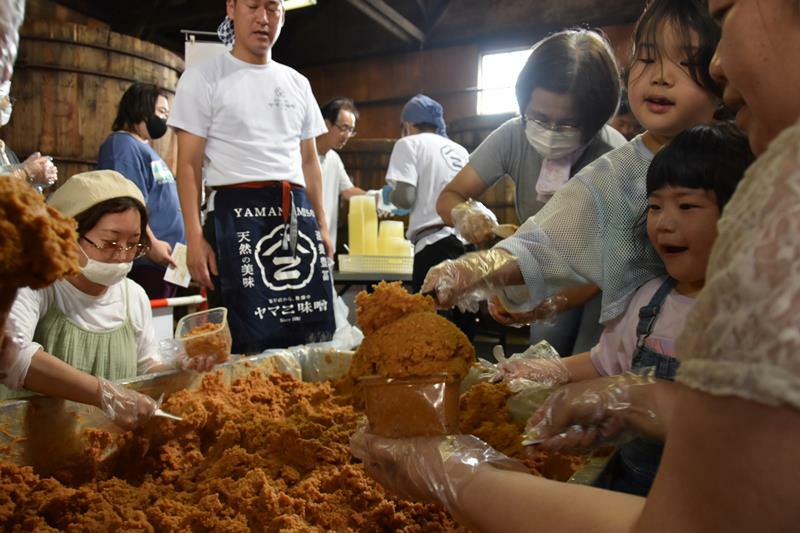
613 354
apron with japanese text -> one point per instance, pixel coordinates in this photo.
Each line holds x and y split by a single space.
274 273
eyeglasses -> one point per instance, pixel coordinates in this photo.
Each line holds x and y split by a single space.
554 126
128 251
349 130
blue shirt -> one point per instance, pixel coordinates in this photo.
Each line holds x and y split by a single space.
138 162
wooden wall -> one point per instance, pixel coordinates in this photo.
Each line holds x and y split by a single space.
380 86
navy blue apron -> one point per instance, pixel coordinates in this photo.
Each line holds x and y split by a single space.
633 468
274 273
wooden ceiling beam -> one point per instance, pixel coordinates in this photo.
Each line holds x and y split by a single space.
391 20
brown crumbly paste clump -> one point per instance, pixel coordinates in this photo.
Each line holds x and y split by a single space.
37 244
483 413
215 341
387 303
418 344
267 453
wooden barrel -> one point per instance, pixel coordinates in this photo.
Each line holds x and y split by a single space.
68 81
469 132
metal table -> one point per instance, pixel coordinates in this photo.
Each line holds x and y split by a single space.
347 279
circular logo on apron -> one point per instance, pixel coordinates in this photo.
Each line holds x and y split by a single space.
280 270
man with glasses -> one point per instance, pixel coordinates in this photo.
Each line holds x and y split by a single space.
340 116
248 124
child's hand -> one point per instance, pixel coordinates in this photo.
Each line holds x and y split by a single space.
597 412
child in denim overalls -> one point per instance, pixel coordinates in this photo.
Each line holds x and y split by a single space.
688 184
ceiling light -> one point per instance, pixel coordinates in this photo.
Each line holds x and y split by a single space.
297 4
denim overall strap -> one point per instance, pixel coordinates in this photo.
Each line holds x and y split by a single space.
665 366
636 462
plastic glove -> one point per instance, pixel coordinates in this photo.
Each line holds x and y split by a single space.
431 469
474 221
539 363
588 414
466 281
545 312
40 170
172 355
126 407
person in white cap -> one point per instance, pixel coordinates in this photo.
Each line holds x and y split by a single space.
97 321
422 163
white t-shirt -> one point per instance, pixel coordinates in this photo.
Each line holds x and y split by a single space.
428 162
334 181
94 313
613 354
253 118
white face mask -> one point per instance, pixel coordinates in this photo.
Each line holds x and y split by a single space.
551 144
5 103
106 274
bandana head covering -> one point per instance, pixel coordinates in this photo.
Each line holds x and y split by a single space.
424 109
226 33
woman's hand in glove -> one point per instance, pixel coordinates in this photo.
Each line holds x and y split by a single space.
430 469
40 170
471 278
474 221
126 407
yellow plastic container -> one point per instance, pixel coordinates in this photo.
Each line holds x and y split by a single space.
362 223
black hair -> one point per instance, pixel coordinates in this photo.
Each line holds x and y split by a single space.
330 111
89 218
624 105
137 104
578 62
686 16
710 157
426 127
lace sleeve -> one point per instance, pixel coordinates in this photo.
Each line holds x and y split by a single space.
743 336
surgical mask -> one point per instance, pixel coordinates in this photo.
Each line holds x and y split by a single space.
551 144
5 103
106 274
156 127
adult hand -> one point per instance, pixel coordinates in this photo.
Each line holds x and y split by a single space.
161 253
468 280
201 262
474 221
595 412
430 469
126 407
40 170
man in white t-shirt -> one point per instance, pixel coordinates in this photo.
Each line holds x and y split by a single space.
340 115
248 124
422 163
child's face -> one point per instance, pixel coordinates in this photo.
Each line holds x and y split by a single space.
662 94
682 225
